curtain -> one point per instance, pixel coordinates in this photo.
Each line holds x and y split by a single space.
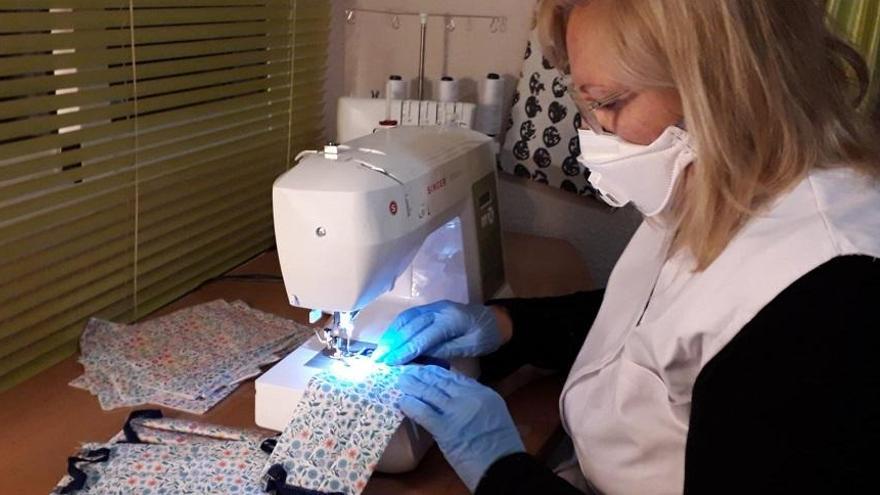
139 140
859 20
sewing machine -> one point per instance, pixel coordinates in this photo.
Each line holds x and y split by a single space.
366 229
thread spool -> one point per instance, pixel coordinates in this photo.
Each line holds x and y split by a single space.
490 101
396 88
448 90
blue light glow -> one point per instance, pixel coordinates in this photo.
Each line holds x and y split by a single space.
315 315
355 369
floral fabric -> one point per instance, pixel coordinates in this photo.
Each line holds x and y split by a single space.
209 467
176 457
188 360
339 431
173 431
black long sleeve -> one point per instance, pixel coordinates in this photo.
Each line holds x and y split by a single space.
522 474
789 405
792 403
548 332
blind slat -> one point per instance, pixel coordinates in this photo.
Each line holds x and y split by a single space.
37 364
151 53
68 197
68 252
151 70
60 231
124 177
175 194
99 279
166 218
166 34
40 125
102 76
165 195
97 4
49 217
176 164
209 227
125 144
192 97
74 316
159 293
172 143
18 22
60 281
37 270
28 352
95 39
189 260
157 251
30 147
58 285
101 168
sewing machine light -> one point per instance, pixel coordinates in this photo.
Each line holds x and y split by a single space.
355 369
314 315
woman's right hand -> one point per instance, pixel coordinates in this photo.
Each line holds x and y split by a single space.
442 329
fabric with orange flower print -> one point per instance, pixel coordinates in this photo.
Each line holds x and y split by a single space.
339 431
172 456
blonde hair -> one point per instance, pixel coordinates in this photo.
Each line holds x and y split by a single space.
766 89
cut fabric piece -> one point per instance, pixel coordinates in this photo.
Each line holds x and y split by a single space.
340 429
187 360
202 467
127 393
542 141
153 455
155 429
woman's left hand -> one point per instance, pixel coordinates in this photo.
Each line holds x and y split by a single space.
469 421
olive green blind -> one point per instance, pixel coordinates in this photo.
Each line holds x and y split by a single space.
139 140
859 20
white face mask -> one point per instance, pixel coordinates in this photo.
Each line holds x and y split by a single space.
645 175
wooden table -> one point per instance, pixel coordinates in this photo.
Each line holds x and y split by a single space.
43 420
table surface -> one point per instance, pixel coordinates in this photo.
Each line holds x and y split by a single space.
43 420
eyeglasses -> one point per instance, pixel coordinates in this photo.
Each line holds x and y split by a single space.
587 107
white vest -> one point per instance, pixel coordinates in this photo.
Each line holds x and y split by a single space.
627 401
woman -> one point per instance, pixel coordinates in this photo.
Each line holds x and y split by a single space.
732 351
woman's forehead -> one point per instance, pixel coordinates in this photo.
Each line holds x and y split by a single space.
588 45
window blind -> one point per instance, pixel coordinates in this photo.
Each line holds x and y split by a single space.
139 140
859 20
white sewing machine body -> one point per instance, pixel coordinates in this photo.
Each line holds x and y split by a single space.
394 219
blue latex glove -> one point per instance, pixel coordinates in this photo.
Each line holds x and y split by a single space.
442 329
469 421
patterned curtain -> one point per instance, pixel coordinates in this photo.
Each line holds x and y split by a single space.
859 20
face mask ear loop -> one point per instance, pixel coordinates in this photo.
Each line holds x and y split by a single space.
681 164
276 483
131 435
610 199
77 475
